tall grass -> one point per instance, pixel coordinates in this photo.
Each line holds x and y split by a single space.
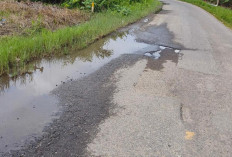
18 50
221 13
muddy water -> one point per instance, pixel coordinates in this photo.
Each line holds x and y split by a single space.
25 103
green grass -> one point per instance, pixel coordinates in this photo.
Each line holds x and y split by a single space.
221 13
18 50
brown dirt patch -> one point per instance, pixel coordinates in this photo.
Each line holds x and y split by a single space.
23 16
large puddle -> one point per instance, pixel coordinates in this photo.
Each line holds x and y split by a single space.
25 103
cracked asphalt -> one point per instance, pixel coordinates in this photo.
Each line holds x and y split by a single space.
178 105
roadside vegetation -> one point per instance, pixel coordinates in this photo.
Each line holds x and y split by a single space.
18 50
225 3
221 13
26 18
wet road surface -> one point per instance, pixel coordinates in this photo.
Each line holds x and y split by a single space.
26 102
163 88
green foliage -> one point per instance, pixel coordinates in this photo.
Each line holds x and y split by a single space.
72 3
227 3
122 10
121 6
36 26
50 1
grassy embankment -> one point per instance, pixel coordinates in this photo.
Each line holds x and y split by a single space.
221 13
27 18
18 50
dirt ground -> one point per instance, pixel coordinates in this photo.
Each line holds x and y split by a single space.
29 17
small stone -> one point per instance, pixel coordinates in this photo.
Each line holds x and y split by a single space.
177 51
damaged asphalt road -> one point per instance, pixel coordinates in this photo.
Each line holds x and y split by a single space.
136 105
85 103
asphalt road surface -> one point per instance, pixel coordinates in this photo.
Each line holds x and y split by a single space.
167 103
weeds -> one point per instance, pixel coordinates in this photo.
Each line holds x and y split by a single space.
21 17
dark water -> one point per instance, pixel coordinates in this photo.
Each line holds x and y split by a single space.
25 103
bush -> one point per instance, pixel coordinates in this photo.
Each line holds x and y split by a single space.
100 5
73 3
50 1
227 3
121 6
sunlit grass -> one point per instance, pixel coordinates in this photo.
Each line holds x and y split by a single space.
18 50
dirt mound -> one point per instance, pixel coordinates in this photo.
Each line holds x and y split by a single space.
24 17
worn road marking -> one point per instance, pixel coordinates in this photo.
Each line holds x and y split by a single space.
189 135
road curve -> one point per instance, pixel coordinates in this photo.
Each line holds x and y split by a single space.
182 110
176 105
